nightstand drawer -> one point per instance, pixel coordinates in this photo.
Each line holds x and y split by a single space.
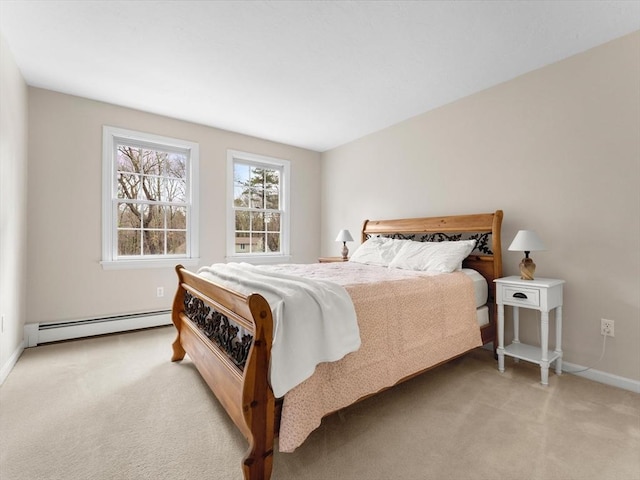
518 296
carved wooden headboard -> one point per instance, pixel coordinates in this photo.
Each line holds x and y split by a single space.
483 227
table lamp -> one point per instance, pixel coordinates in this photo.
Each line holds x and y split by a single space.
344 236
527 241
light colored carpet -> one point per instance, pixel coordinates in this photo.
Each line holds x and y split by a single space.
115 407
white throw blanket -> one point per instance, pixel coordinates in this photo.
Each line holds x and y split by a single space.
314 320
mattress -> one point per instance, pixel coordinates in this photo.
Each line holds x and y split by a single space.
480 287
481 292
482 315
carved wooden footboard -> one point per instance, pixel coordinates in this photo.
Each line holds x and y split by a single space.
228 337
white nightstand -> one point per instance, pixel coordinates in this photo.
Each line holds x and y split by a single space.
542 294
332 259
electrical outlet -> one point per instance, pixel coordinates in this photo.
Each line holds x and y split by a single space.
160 292
606 327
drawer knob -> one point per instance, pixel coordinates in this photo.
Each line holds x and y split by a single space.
519 295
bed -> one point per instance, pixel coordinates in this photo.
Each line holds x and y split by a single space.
228 334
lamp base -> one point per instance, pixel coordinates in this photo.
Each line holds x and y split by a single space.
527 269
345 251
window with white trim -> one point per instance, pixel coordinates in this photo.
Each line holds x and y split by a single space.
150 207
258 208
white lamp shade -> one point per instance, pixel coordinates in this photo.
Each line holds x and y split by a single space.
527 241
344 236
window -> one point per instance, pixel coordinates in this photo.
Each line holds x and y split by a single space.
258 213
150 214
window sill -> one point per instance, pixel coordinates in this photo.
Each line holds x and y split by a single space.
259 259
149 263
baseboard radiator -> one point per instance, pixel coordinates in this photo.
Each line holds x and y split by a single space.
39 333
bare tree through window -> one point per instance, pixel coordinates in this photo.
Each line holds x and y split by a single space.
152 201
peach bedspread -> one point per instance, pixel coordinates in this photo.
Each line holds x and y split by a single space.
408 322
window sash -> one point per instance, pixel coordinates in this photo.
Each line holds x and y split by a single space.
243 250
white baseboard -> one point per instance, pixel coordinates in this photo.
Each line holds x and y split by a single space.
601 377
8 366
36 334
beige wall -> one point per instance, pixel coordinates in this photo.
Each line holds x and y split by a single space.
65 278
558 150
13 207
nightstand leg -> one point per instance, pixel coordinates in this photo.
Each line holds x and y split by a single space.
544 337
500 349
559 339
516 325
516 328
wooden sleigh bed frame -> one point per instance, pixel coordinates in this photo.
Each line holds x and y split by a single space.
236 369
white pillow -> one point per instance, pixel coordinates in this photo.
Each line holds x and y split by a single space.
434 257
377 251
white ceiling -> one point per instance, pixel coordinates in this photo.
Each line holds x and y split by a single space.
314 74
